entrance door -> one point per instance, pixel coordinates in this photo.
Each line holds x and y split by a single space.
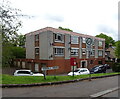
84 64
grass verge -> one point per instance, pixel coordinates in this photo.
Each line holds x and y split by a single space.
8 79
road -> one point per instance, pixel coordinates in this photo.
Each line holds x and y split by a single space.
112 94
77 89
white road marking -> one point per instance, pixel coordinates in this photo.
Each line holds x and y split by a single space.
104 92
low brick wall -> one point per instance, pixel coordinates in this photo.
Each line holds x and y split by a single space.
9 70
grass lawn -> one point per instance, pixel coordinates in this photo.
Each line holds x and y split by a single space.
8 79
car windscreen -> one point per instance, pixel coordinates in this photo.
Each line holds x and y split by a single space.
76 70
23 72
83 70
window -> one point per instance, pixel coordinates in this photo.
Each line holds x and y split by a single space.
93 42
83 51
74 39
84 64
100 53
37 37
100 62
93 53
83 40
23 72
36 50
59 38
59 51
100 43
91 61
74 52
36 67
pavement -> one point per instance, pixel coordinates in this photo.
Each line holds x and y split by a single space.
102 93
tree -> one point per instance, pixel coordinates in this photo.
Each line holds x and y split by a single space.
18 52
19 41
9 25
108 40
117 49
66 29
9 22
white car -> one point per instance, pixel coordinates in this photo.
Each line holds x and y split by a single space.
26 73
79 71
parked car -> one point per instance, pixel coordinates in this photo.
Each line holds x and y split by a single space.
26 73
98 69
79 71
107 66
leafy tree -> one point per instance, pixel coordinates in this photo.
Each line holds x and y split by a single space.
9 21
18 52
117 49
10 53
67 29
108 40
9 25
7 55
19 40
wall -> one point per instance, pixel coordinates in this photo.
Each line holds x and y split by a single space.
30 47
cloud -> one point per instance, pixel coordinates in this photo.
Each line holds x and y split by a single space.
54 18
108 31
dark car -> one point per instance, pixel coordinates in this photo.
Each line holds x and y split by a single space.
98 69
107 66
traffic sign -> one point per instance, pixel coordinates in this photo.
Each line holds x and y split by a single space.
89 41
49 68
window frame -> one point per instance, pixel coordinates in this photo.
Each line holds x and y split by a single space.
83 39
93 51
100 43
84 50
56 37
99 54
74 39
37 37
36 53
74 50
59 51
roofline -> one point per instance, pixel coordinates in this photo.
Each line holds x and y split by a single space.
64 32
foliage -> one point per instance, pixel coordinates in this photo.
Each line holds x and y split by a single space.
117 49
19 40
9 21
116 67
10 53
7 79
9 26
7 55
108 40
66 29
18 52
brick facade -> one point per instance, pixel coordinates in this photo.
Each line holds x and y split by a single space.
53 47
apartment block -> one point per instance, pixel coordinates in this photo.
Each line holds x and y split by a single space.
50 47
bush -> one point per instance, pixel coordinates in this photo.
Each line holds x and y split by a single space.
116 67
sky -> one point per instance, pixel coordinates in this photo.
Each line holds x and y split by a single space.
90 17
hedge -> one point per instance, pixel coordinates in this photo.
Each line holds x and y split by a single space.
116 67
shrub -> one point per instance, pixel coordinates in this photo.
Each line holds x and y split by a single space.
116 67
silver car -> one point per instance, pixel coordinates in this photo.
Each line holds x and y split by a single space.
26 73
79 71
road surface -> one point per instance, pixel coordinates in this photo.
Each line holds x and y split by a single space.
76 89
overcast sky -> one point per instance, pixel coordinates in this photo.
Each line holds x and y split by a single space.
83 16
